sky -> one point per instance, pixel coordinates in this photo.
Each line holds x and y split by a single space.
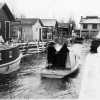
61 10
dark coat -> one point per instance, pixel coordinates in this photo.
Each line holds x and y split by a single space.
57 59
61 57
51 55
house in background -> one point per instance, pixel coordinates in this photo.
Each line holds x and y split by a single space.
63 29
50 28
27 30
6 18
89 26
32 29
37 29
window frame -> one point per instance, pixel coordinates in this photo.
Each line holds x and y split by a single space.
85 26
10 54
0 56
5 28
93 26
0 25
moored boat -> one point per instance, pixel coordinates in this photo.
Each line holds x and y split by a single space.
67 61
10 57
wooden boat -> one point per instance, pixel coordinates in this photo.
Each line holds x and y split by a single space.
10 57
72 64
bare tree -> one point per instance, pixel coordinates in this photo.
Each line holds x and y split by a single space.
62 20
72 21
21 16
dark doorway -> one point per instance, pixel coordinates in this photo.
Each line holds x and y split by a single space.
7 30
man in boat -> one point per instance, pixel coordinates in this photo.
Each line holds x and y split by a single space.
57 59
61 57
51 56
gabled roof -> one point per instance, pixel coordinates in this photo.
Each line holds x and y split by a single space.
7 10
90 21
63 25
28 21
48 22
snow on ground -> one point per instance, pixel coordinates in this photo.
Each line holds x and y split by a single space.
90 86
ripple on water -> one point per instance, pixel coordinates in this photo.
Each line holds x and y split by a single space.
27 83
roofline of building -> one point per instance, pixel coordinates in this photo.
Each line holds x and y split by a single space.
88 23
7 10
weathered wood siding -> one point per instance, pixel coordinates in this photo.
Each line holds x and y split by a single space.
36 30
27 32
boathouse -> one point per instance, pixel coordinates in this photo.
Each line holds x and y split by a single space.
6 18
30 28
63 29
50 28
35 29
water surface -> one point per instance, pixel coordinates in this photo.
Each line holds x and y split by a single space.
26 83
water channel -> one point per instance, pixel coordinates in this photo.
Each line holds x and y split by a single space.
26 83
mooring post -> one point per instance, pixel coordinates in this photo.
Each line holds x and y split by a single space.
38 46
27 47
42 45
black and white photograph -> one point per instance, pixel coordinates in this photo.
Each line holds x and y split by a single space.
50 49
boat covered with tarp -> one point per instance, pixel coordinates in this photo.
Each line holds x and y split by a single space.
61 61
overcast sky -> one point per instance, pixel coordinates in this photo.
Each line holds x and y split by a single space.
58 9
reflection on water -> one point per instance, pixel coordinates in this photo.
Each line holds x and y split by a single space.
8 83
72 75
26 83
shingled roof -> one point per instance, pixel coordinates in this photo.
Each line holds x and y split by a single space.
48 22
28 21
63 25
90 20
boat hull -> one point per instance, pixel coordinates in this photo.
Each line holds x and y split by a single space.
54 73
11 66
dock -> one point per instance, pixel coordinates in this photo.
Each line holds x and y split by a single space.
29 48
90 84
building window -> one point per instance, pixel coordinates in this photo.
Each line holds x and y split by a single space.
10 54
44 33
94 26
7 29
36 29
0 25
85 26
15 34
0 57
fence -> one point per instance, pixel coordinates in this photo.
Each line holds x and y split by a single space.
28 48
